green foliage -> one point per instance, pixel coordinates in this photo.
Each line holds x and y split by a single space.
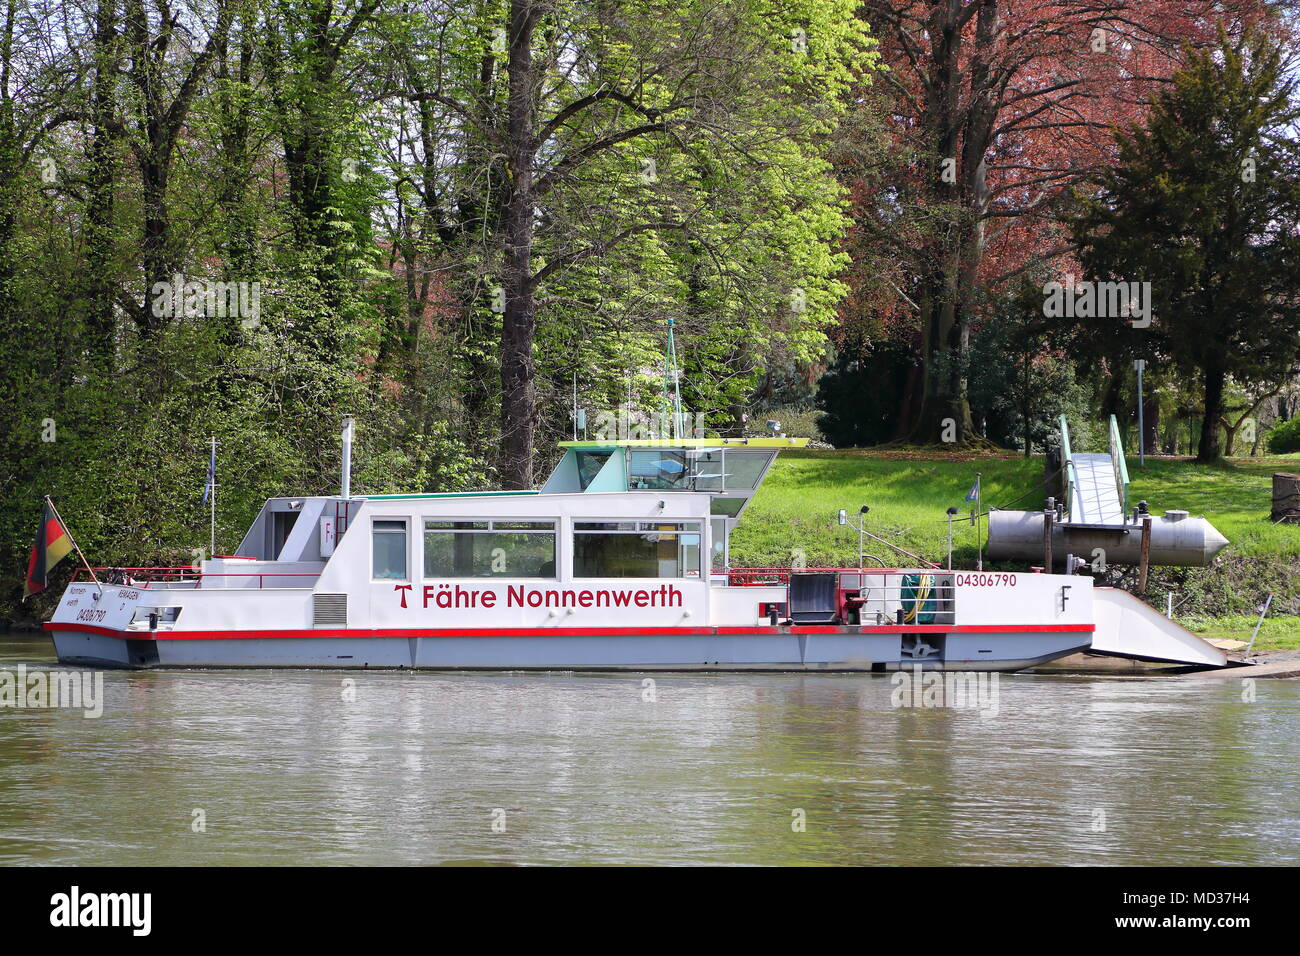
1204 204
858 396
1018 388
346 159
1284 437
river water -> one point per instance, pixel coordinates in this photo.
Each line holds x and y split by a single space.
275 767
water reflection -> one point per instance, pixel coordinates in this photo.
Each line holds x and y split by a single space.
285 769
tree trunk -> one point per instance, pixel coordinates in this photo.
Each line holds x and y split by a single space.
157 237
943 345
1286 498
519 323
1208 449
99 192
1151 419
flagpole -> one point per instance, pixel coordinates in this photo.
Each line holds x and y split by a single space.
212 535
66 530
979 511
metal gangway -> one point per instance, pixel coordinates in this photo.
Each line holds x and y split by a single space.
1096 485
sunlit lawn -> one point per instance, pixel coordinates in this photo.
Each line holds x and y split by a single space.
1276 633
908 494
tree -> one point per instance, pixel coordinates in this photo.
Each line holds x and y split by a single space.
598 102
1019 384
1204 204
996 110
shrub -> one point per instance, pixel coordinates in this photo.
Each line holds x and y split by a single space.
1285 437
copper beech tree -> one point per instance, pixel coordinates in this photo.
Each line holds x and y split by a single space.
996 109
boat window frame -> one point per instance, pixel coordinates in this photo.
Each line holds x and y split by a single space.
681 528
491 523
405 521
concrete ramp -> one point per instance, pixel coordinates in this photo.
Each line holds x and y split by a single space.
1127 627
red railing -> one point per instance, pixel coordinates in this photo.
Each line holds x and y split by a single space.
780 577
143 577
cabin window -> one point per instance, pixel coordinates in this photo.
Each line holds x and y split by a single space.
730 507
636 549
589 465
485 549
718 527
707 472
389 549
662 470
745 468
282 526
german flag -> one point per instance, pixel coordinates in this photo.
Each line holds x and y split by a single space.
52 545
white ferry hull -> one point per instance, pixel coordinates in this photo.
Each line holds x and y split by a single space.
777 649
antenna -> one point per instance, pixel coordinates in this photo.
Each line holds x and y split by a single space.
672 385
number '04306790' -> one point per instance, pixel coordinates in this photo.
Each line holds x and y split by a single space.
986 580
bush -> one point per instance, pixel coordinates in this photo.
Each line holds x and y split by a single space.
1285 437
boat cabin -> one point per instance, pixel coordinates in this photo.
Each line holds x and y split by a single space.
639 524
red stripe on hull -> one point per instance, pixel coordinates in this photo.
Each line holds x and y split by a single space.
757 630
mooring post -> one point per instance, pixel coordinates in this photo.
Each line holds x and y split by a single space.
1049 514
1146 554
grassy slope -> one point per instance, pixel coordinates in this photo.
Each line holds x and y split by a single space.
908 492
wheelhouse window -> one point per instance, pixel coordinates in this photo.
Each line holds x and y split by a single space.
745 468
486 549
692 469
662 470
589 465
388 544
636 549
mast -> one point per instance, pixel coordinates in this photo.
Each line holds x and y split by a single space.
672 385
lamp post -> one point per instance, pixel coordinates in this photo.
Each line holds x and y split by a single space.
1140 365
952 513
860 527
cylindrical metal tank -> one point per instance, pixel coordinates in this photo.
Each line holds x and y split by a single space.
1177 540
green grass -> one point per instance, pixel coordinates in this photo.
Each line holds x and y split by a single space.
1276 634
908 493
1236 496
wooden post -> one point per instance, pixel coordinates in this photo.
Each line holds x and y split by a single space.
1286 498
1049 514
1146 554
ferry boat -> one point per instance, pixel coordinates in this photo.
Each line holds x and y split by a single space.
620 561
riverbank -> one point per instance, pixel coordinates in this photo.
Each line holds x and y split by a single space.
792 518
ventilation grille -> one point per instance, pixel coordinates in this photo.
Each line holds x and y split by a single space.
330 610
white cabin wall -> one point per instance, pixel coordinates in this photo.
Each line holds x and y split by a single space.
378 603
254 540
984 597
303 543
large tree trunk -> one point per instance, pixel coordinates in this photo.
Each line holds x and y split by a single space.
157 239
948 302
519 323
99 191
944 339
1208 449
